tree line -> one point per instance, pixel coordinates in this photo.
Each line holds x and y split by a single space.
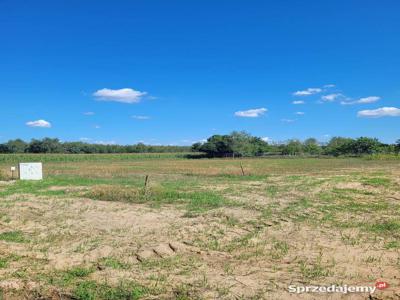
243 144
51 145
236 144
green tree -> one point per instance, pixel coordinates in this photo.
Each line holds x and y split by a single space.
17 146
311 146
293 147
364 145
338 146
243 144
218 145
397 146
238 143
196 147
46 145
4 148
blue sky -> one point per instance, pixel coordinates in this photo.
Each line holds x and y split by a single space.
176 72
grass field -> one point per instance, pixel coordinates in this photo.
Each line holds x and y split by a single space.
200 229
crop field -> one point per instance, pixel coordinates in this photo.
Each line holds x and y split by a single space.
200 228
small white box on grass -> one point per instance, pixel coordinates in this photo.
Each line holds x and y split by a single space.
30 171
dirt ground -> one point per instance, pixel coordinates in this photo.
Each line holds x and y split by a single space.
331 227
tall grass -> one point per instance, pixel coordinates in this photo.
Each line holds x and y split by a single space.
48 157
382 156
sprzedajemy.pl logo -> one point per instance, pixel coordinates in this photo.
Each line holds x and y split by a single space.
344 289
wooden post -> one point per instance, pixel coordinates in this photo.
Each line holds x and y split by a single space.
12 172
241 167
145 184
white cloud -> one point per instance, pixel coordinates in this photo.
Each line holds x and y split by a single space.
299 113
307 92
379 112
141 117
296 102
97 126
88 113
105 142
84 139
39 123
186 141
288 120
251 113
126 95
266 139
331 97
329 86
366 100
370 99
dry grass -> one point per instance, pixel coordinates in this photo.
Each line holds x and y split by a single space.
200 230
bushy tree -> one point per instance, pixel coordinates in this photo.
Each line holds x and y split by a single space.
245 144
16 146
46 145
196 147
364 145
4 148
235 144
347 146
397 146
292 147
311 146
338 146
218 146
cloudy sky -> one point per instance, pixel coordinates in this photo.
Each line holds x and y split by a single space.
176 72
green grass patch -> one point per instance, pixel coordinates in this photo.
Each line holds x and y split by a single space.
13 236
240 177
5 260
376 181
41 187
279 249
113 263
293 178
79 272
66 278
315 270
91 290
272 191
392 245
201 201
349 191
385 227
297 206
